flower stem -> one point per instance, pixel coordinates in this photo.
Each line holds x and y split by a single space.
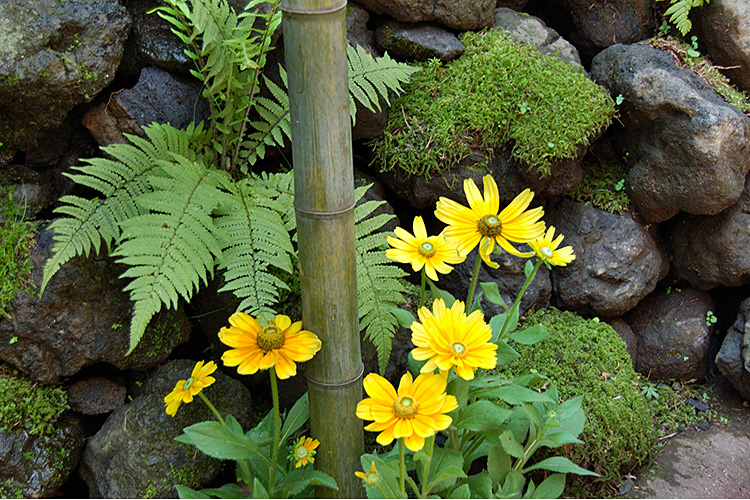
473 282
423 289
512 311
276 427
212 408
402 465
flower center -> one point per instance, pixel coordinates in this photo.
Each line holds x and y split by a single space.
270 337
427 249
405 407
546 252
458 350
301 452
188 383
490 225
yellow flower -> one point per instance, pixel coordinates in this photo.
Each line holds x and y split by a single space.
414 413
278 344
369 478
304 452
546 249
184 390
434 253
448 338
482 224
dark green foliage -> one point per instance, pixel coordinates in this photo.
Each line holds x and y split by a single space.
26 406
16 240
603 186
500 92
587 358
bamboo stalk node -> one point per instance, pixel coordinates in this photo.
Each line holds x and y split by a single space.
328 10
339 384
322 215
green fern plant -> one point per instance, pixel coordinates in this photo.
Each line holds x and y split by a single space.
171 207
678 13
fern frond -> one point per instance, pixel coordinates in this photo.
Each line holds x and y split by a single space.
380 282
258 241
120 179
371 79
679 11
172 248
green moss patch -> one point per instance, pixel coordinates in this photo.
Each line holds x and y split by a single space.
28 406
499 93
603 186
16 243
587 358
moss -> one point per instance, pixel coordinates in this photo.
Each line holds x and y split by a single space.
603 186
499 93
587 358
29 406
16 243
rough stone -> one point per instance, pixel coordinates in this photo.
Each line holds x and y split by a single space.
157 97
460 15
689 148
626 334
617 263
96 395
37 465
54 55
357 32
418 42
31 191
134 454
673 335
82 318
733 359
711 251
532 30
724 27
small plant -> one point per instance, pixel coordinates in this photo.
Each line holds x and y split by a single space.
710 318
678 13
693 50
650 390
603 186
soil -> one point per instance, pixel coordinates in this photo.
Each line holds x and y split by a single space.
708 463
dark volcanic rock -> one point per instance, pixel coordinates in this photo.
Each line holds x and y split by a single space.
461 15
418 42
96 395
725 34
733 358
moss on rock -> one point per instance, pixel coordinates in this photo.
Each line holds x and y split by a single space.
16 243
587 358
501 92
31 407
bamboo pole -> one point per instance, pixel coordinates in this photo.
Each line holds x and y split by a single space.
315 44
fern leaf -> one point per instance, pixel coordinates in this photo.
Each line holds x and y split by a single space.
173 247
258 242
371 79
379 281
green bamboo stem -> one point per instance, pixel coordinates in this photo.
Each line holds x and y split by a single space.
315 48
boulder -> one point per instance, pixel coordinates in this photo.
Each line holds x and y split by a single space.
135 455
617 262
357 30
96 395
688 148
53 56
31 191
83 318
462 15
419 42
724 27
733 359
710 251
672 334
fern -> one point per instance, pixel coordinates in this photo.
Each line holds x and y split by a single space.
257 241
172 248
379 281
679 11
120 179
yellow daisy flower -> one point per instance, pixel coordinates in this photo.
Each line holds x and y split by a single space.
369 478
304 452
185 390
546 249
434 253
447 338
482 224
414 412
278 344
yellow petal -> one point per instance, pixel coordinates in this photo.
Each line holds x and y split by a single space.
377 387
420 232
414 442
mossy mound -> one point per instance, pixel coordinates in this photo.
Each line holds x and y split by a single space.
587 358
501 92
27 406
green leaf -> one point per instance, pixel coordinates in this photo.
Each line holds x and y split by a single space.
296 417
513 394
571 416
441 294
510 445
217 441
298 479
462 491
388 472
405 318
505 353
259 491
480 485
482 415
551 487
230 490
530 335
513 485
492 293
498 464
415 366
561 464
185 492
445 468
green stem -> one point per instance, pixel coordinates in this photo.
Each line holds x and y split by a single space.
212 408
423 289
276 428
242 463
473 282
429 448
401 465
512 311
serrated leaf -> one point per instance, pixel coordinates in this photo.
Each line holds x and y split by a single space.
481 416
561 464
